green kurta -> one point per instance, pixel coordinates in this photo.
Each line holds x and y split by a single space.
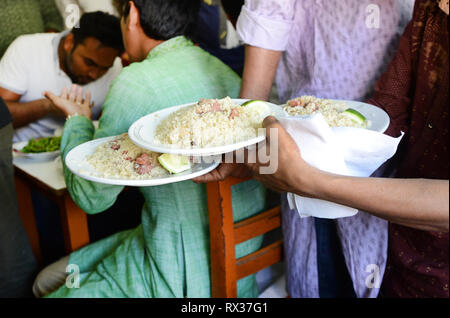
168 254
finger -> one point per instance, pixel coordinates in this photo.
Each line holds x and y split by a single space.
87 99
50 96
73 93
64 93
270 121
79 95
209 177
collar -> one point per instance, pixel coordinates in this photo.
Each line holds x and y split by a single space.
55 43
170 45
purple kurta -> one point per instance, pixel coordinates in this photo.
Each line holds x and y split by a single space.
331 49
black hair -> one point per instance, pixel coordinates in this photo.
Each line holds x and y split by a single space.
102 26
233 8
165 19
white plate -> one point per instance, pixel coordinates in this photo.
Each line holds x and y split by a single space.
43 156
142 133
77 163
379 118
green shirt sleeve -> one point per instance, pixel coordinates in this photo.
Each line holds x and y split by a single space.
90 196
51 15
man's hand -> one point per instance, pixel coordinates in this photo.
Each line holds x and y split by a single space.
72 103
224 171
291 170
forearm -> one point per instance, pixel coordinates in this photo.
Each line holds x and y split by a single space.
259 72
90 196
26 113
418 203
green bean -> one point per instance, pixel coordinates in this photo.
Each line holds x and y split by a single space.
40 145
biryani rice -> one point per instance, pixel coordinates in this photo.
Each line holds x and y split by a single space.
333 111
211 123
116 159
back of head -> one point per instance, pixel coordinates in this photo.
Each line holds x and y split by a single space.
101 26
164 19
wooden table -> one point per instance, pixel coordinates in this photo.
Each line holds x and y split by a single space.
47 177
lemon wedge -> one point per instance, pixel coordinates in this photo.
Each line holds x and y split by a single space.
258 107
355 115
174 163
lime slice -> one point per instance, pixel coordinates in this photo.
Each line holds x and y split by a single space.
174 163
258 106
355 115
253 101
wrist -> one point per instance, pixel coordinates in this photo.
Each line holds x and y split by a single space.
310 182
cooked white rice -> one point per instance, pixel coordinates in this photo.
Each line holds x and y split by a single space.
119 163
197 126
330 109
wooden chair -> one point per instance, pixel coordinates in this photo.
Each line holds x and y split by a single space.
226 270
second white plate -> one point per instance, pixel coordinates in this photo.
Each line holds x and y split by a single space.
77 163
142 133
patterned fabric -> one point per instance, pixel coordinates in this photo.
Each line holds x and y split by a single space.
168 254
415 93
331 52
18 17
332 48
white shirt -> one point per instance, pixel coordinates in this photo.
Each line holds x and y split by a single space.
30 66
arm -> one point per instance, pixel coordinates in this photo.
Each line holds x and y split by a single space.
90 196
393 90
25 113
259 72
14 82
417 203
265 27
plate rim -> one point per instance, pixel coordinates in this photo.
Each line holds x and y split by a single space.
211 151
131 182
385 114
18 146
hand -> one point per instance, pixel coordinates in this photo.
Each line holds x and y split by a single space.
288 167
285 171
72 103
224 171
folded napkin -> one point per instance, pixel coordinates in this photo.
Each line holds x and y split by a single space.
340 150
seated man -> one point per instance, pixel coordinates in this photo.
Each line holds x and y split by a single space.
168 254
51 61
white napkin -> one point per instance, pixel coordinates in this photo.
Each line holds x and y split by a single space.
340 150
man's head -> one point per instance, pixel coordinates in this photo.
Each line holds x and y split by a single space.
155 20
90 50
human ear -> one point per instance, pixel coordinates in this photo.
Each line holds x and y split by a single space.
133 19
69 42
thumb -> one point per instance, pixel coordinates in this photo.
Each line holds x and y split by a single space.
50 96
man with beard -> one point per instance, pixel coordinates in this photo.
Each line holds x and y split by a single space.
87 56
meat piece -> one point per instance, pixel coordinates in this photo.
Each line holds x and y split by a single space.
143 164
295 103
234 113
207 106
115 146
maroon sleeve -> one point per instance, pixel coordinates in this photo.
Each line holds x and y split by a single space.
393 91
